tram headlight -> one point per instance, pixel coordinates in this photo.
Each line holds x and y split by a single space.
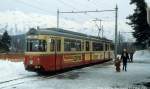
30 61
38 60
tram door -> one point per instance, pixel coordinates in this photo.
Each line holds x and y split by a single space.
55 47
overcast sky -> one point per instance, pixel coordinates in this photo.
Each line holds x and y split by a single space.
23 14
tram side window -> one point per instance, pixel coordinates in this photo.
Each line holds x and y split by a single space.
58 45
52 45
106 47
36 45
87 47
83 46
112 47
66 45
78 45
72 45
97 46
42 45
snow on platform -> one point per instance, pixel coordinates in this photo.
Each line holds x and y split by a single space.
96 77
102 76
142 56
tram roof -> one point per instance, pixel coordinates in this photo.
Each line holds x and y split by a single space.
65 33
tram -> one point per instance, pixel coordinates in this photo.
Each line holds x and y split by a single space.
52 49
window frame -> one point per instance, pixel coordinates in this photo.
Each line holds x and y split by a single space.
94 45
52 44
29 45
70 45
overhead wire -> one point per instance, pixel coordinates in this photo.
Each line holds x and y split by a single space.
94 4
84 7
33 6
69 5
44 10
36 7
61 1
75 8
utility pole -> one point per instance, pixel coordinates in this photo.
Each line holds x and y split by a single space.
58 18
148 21
120 42
116 31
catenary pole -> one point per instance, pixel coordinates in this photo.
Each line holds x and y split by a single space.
58 18
116 31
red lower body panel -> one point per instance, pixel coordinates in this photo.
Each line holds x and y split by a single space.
53 62
47 62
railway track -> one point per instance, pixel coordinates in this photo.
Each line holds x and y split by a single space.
21 80
6 81
15 81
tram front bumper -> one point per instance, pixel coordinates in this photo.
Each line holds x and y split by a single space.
35 68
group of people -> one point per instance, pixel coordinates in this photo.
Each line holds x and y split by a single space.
125 57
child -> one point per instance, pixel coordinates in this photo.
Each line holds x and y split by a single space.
117 64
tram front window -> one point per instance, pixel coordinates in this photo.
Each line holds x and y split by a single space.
36 45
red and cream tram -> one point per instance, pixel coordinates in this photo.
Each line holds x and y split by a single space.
53 49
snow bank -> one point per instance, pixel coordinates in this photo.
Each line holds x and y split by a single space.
11 66
142 55
10 70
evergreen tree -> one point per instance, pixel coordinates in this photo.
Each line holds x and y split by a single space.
6 40
138 21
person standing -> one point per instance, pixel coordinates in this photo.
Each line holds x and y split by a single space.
131 55
124 57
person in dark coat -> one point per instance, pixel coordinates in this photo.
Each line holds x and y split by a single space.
124 57
131 56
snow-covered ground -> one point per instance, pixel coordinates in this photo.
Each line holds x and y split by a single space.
102 76
12 70
142 56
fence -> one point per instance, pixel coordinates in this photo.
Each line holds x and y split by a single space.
14 57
